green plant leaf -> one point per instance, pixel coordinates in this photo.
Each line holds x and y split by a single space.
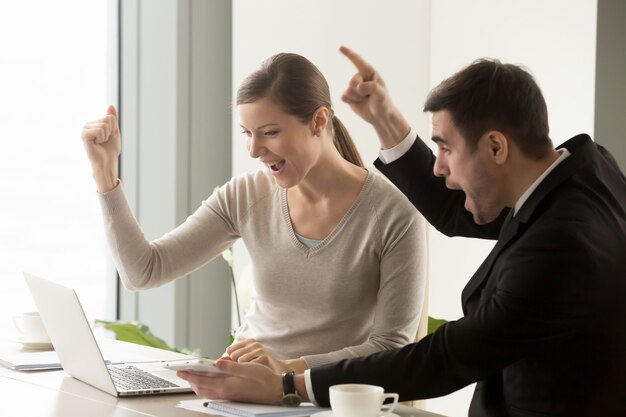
192 352
134 332
227 255
434 324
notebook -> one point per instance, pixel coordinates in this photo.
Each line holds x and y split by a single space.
31 361
262 410
79 353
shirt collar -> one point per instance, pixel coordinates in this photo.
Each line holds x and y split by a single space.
520 202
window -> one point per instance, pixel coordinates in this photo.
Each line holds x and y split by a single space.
53 78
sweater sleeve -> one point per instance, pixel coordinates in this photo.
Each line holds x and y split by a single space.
146 264
400 294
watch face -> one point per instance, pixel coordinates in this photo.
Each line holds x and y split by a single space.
291 400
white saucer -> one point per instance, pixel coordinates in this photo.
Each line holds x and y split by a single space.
330 413
35 344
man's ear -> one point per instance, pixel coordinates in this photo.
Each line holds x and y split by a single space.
320 120
498 146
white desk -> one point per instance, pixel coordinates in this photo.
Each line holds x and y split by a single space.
55 394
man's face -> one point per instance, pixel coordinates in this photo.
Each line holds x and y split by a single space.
473 172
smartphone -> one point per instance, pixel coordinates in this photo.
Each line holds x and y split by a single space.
200 366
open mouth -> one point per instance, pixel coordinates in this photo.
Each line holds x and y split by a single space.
277 166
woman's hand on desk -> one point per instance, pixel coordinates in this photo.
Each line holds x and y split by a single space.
101 139
252 351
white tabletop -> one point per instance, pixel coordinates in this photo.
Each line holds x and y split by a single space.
55 394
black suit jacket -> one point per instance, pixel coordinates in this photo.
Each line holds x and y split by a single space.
544 325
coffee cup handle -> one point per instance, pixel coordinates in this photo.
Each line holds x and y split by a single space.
388 408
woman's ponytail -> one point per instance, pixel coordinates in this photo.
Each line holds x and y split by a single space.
344 144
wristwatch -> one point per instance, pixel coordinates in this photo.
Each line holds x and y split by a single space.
290 396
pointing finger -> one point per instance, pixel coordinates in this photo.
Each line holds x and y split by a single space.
366 70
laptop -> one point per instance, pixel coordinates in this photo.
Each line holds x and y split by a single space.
79 353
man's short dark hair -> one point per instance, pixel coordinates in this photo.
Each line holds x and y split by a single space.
489 95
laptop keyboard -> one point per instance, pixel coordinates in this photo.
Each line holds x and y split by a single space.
128 377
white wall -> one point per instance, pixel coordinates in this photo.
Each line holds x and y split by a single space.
415 44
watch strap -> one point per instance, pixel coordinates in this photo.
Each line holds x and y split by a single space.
289 386
290 396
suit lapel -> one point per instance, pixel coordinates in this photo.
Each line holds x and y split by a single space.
581 148
507 232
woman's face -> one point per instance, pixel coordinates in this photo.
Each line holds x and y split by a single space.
280 141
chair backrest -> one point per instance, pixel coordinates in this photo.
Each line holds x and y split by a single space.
422 329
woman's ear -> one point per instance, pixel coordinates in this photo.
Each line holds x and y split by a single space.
320 120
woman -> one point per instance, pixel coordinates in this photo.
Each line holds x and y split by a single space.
336 249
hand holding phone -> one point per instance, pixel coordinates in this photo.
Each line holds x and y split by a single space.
202 366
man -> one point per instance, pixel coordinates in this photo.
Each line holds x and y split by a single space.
544 325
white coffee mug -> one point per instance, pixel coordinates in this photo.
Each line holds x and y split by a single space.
31 326
360 400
